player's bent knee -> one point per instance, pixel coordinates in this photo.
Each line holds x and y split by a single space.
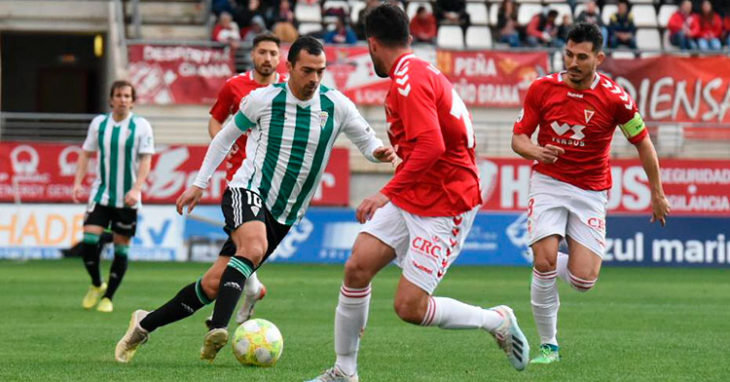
409 310
544 264
254 251
356 274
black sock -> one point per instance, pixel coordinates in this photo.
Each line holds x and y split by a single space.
184 304
117 270
90 251
231 286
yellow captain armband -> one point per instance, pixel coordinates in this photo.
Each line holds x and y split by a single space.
633 127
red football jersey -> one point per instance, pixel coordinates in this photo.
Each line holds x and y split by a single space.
431 131
583 123
229 97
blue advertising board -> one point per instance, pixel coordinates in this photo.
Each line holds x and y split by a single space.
326 235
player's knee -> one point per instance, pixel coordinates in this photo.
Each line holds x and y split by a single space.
356 274
409 310
582 281
544 264
253 250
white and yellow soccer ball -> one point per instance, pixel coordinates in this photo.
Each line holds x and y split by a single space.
257 342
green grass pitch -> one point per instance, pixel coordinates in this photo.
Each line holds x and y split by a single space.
636 325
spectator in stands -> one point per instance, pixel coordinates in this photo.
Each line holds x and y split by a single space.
284 27
226 31
218 6
591 15
706 28
679 27
423 26
452 12
258 26
246 11
507 23
342 34
542 30
360 26
564 28
622 30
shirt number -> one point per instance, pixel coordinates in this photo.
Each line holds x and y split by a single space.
458 110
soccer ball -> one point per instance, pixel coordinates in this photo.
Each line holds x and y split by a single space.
257 342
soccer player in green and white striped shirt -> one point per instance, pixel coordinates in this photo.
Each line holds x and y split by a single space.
293 127
125 145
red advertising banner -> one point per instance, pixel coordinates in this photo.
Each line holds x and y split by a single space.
350 70
36 172
492 79
669 88
178 74
693 187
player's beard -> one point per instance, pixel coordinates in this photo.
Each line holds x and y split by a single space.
379 67
264 70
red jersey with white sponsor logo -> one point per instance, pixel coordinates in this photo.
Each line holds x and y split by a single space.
431 131
229 97
583 123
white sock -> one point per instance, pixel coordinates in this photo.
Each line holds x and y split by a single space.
447 313
351 316
562 266
253 285
579 284
545 303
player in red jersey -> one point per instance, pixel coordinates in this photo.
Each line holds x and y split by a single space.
422 216
265 57
577 111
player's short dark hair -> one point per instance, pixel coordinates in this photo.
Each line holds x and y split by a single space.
121 84
388 24
552 13
586 32
307 43
266 37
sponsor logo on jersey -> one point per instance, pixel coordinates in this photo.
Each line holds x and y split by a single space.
576 139
597 223
427 247
575 95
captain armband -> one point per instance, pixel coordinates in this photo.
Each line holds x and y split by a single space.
633 127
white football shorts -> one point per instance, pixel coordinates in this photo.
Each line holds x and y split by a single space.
425 246
555 207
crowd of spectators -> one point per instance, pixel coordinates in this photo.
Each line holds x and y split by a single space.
696 25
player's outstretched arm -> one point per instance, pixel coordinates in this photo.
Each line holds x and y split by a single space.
649 160
385 154
522 145
217 151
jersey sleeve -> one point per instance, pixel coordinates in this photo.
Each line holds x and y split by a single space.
629 120
223 103
529 116
249 110
358 131
217 151
91 143
146 138
419 113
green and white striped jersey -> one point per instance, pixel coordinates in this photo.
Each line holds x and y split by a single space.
119 144
289 145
